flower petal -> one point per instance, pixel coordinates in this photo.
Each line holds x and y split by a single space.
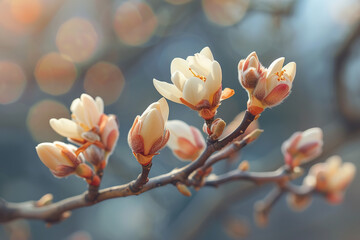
194 90
178 79
168 90
66 128
164 109
181 65
207 53
290 70
275 66
91 109
152 129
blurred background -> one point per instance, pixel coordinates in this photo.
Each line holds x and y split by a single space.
51 51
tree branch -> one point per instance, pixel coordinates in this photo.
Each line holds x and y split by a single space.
55 212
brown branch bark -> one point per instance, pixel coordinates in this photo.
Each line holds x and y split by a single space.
55 212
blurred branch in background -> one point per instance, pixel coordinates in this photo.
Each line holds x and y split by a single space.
349 110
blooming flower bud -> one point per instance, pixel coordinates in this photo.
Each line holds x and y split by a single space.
272 86
89 126
331 178
86 113
250 70
109 132
147 136
186 142
196 83
302 147
59 157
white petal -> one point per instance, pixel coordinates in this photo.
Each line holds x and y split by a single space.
181 65
164 109
74 104
92 113
290 70
100 104
152 129
207 52
168 90
51 156
66 128
194 90
214 83
178 79
275 66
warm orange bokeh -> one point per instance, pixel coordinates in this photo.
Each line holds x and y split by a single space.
78 39
55 74
26 11
12 82
39 116
135 23
104 80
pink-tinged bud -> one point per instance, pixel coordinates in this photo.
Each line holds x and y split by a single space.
109 131
250 70
94 155
148 135
59 157
297 202
217 128
331 178
266 87
302 147
186 142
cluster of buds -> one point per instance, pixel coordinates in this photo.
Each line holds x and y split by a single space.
62 161
186 142
95 134
216 128
197 83
331 178
302 147
148 135
265 87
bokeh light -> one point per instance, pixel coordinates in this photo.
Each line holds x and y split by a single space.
225 12
55 73
26 11
105 80
12 82
135 23
78 39
39 116
177 2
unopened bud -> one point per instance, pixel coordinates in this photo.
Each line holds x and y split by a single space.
244 166
44 200
94 155
65 215
253 135
217 128
84 171
297 202
183 189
